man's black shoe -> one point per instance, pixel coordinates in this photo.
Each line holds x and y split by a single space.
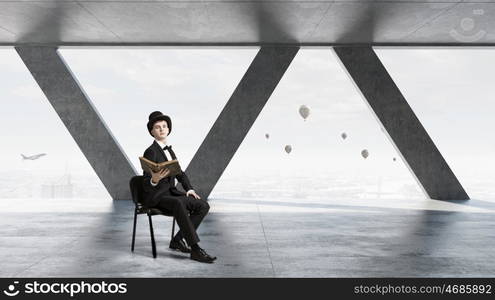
179 245
201 256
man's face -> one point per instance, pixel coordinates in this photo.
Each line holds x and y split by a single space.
160 130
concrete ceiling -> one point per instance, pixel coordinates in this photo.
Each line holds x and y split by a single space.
247 22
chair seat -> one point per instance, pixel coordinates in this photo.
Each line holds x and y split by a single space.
154 211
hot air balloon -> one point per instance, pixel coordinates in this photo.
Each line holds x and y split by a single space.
288 149
267 135
304 111
365 153
344 135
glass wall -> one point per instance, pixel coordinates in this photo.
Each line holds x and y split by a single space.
39 158
451 91
326 161
315 140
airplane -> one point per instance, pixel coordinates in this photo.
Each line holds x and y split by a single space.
32 157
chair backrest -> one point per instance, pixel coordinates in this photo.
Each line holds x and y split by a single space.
136 185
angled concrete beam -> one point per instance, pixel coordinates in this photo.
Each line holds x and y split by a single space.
237 117
405 130
80 117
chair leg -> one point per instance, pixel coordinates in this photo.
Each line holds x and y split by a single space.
153 244
173 229
134 231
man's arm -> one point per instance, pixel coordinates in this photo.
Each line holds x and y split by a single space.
148 186
186 184
184 180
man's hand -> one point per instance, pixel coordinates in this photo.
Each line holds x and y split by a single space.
156 177
193 193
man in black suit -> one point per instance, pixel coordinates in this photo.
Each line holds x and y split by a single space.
160 191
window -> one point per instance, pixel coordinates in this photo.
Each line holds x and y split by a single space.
450 90
29 126
322 166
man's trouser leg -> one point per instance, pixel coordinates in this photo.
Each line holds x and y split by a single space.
198 209
178 206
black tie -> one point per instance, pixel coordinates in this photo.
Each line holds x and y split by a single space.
169 148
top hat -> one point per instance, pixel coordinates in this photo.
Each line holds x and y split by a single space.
158 116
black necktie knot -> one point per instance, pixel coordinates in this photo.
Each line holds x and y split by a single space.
167 147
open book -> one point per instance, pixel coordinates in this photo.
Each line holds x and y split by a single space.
172 165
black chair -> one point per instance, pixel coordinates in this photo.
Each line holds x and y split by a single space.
136 185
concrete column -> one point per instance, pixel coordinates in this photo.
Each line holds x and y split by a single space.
237 117
80 117
405 130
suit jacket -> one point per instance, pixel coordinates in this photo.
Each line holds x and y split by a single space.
166 186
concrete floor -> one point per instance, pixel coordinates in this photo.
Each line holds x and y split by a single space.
253 238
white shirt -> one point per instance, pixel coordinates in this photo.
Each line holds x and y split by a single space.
162 145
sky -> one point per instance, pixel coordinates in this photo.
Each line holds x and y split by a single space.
450 90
